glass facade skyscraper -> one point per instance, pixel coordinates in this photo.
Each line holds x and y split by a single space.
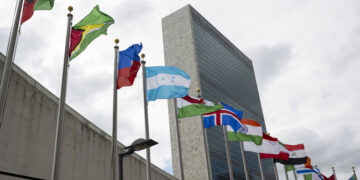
224 74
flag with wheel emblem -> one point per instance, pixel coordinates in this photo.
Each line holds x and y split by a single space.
251 131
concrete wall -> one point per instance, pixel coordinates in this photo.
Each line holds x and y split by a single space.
28 131
179 51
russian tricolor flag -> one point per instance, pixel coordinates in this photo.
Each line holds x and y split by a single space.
129 64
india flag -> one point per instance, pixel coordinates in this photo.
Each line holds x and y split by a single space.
191 106
250 131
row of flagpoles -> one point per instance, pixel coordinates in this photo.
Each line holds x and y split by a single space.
77 39
293 157
159 82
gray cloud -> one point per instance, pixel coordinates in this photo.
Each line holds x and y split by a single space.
133 16
317 102
269 60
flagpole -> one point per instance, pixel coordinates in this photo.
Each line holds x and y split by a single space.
295 175
261 167
228 157
178 140
353 168
244 160
276 171
61 110
207 157
148 161
286 174
333 169
10 54
114 132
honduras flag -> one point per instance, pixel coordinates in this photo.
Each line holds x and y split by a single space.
225 116
166 82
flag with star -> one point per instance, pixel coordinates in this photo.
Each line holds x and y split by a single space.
32 5
89 28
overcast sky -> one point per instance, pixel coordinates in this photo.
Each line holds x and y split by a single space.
306 56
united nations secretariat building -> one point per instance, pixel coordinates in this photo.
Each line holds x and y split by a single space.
224 74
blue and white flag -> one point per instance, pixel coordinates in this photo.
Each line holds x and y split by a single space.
166 82
225 116
315 173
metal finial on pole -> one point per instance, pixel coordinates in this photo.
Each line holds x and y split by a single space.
148 160
70 8
198 92
114 132
10 55
116 41
61 109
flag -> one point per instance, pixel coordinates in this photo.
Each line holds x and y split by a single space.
332 177
308 171
353 177
225 116
310 174
166 82
299 166
191 106
32 5
289 167
314 176
296 153
252 132
88 29
129 64
268 149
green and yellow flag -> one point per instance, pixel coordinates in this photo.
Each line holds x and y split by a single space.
88 29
